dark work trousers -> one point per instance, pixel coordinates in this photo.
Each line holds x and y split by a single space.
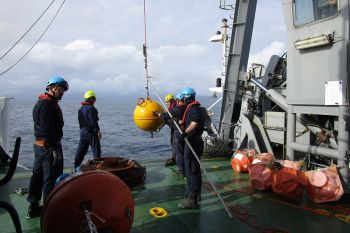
178 145
86 139
47 167
173 155
192 167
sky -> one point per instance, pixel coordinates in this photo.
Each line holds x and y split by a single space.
97 45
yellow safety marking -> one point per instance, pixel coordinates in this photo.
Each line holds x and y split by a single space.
343 217
322 212
158 212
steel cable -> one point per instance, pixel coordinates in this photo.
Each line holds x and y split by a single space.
48 26
27 31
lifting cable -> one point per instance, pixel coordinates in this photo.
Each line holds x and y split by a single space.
24 34
42 34
176 124
144 50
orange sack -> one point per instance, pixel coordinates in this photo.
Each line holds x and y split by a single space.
289 182
324 185
260 175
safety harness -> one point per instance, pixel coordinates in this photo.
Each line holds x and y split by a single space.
171 105
185 113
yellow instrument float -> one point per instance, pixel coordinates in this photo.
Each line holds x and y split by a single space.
144 117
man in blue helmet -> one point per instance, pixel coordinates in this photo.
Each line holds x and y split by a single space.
48 161
192 127
89 129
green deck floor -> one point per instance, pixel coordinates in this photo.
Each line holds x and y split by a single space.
253 211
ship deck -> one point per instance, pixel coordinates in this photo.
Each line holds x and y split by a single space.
253 211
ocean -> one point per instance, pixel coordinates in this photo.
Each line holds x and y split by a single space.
120 136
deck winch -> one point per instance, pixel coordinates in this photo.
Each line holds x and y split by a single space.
144 117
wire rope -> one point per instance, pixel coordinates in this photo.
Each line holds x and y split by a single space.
48 26
145 47
30 28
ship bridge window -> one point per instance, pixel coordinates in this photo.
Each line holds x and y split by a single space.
309 11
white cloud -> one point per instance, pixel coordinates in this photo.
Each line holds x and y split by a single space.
263 57
80 45
103 51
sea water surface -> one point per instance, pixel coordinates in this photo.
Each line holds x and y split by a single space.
120 136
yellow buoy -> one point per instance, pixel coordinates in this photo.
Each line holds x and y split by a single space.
143 115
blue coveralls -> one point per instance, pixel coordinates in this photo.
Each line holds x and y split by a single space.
176 138
48 162
192 167
89 128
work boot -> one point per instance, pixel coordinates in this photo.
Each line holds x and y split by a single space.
170 162
34 210
191 202
181 174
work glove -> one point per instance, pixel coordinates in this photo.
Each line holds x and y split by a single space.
99 135
155 113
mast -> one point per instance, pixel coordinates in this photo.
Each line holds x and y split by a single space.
242 30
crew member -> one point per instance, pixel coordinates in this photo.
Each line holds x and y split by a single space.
177 140
48 161
171 103
193 126
90 134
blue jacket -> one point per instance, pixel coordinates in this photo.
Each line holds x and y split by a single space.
48 120
88 117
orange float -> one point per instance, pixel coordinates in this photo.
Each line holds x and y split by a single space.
324 185
143 115
106 198
242 159
289 182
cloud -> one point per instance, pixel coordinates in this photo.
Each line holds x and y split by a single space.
117 68
104 51
263 57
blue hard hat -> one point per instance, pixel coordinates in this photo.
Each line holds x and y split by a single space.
59 81
179 96
188 92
